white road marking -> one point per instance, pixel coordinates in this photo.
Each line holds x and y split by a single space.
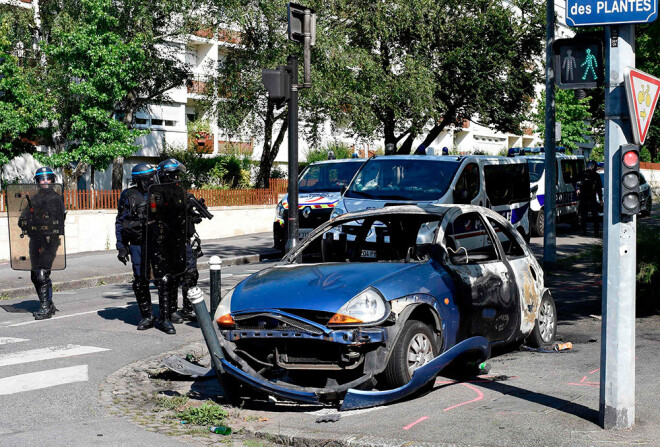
7 340
43 379
69 316
329 411
55 352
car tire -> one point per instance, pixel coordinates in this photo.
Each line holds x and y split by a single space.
417 341
545 326
539 223
576 223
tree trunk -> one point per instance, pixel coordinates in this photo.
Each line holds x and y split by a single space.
406 147
438 128
118 173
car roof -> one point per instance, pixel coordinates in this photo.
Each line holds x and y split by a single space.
450 158
339 160
558 155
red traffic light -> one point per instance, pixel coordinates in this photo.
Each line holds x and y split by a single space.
630 158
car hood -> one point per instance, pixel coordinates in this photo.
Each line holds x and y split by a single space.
318 199
354 205
322 287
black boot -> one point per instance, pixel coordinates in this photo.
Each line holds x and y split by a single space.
187 311
164 292
44 288
143 298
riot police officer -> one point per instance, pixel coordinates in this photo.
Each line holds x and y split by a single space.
169 171
44 205
129 225
590 190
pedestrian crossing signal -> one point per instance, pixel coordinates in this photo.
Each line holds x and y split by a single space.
578 63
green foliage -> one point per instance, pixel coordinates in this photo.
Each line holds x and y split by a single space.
573 114
645 154
319 154
208 413
171 403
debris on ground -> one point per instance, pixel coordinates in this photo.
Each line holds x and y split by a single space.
328 418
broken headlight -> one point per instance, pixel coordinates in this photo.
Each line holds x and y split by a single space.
366 307
223 312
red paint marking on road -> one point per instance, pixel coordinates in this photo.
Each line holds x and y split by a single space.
583 379
409 426
598 369
479 397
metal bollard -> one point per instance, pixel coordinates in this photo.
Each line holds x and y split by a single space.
196 297
215 264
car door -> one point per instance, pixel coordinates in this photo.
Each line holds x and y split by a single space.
485 287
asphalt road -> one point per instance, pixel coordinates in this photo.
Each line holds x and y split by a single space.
91 336
529 398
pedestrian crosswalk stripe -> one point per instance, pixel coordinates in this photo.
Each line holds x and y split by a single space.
7 340
43 379
55 352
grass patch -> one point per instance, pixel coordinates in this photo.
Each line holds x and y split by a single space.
209 413
4 297
171 403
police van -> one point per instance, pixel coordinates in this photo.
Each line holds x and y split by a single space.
569 169
319 189
499 183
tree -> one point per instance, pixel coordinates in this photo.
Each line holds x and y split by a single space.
24 104
402 67
573 114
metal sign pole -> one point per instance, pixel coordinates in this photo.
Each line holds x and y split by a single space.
292 62
617 357
549 233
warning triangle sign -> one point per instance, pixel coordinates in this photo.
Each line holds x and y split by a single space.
642 90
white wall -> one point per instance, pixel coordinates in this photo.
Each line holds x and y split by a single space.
95 230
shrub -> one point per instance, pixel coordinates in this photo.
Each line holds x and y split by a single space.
208 413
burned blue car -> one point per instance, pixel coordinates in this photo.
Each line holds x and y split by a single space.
372 318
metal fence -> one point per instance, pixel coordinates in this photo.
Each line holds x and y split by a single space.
108 199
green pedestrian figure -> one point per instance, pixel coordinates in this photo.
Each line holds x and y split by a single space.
591 63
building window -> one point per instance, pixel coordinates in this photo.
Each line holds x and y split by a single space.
170 123
156 122
142 121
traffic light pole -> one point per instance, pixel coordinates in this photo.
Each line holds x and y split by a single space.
292 223
617 358
549 232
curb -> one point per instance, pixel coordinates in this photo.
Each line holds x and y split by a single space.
96 281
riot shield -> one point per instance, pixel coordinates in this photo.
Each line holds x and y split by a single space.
36 226
164 245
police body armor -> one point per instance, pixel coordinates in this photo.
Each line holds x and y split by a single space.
36 226
164 245
133 226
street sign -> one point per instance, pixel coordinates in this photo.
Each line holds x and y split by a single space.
642 91
610 12
578 63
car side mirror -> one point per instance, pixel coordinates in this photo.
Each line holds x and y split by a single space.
533 189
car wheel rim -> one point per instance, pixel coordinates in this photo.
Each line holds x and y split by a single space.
420 352
546 321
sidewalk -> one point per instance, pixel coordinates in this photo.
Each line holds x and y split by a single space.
90 269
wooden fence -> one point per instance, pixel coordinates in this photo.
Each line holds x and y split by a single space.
108 199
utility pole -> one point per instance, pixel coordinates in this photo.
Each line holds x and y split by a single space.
549 231
292 224
617 357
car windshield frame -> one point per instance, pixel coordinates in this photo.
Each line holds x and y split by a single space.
326 183
399 187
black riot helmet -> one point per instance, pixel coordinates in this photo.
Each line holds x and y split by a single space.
143 176
44 175
170 170
591 165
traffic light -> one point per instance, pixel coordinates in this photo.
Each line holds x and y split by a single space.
296 20
578 63
277 83
629 180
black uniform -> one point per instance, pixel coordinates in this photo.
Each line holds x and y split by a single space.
591 195
43 246
129 225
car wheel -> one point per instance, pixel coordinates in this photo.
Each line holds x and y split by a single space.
576 224
416 346
545 326
539 223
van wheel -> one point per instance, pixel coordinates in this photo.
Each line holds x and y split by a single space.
415 347
539 223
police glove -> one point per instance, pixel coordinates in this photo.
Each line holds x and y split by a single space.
123 255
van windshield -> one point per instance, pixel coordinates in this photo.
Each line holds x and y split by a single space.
327 177
536 168
417 180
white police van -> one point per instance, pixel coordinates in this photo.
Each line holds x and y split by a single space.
499 183
319 189
569 170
